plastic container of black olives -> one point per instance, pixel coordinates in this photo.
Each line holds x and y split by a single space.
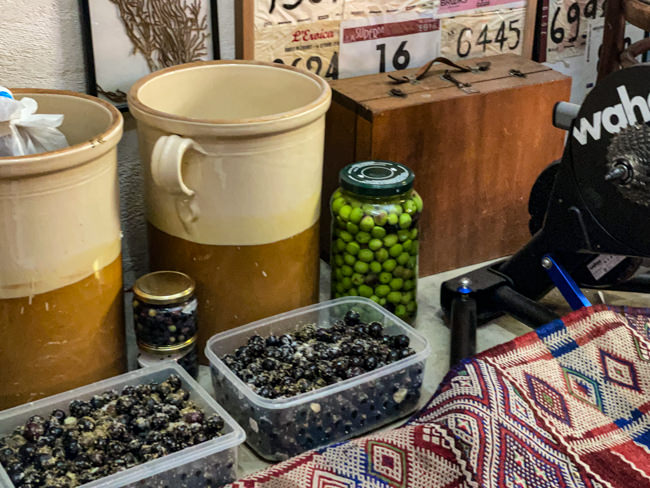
284 427
212 463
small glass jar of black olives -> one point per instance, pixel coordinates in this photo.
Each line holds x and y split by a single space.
164 311
375 236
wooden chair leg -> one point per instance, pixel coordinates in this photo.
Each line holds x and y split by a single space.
613 38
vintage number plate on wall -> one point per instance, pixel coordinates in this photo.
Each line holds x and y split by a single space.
312 46
387 43
567 24
483 34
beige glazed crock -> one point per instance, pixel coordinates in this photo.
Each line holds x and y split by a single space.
232 154
61 310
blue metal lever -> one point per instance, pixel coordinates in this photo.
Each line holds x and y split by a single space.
563 281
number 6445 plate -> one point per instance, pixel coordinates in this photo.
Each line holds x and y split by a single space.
483 34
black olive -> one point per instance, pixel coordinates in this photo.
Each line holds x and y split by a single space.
401 341
193 417
272 341
370 363
71 448
79 408
33 431
269 364
214 424
175 382
352 317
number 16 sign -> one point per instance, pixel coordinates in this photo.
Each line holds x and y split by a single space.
387 43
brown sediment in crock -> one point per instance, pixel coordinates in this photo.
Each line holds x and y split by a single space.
62 339
236 285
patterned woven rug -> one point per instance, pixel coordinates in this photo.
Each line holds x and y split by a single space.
564 406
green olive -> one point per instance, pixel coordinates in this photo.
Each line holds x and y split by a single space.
337 203
340 223
352 228
375 244
363 237
389 265
407 297
395 250
353 292
399 271
344 212
339 288
418 202
396 209
338 274
393 219
375 298
346 282
381 255
408 274
413 262
381 218
409 207
405 221
353 248
390 240
411 308
385 277
349 259
403 234
375 267
337 193
367 223
396 284
407 244
414 248
356 215
382 301
382 290
378 232
340 244
400 311
414 233
394 297
358 279
409 284
361 267
403 258
346 236
365 291
346 270
366 255
338 295
338 260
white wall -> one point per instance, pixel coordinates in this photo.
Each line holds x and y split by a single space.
41 46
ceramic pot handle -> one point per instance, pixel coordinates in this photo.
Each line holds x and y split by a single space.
166 171
167 163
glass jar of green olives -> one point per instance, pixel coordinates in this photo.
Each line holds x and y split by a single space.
375 235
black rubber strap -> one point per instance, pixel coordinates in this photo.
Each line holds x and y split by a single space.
421 73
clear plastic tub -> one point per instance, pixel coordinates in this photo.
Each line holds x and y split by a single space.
210 464
280 428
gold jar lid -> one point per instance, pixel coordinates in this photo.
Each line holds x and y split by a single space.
163 287
176 348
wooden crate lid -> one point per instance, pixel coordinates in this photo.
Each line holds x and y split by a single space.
371 94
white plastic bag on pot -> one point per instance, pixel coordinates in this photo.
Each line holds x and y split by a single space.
23 131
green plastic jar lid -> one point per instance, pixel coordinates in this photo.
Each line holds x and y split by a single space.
376 178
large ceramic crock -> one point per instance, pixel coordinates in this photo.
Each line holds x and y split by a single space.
232 154
61 310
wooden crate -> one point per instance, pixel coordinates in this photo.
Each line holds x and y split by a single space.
475 156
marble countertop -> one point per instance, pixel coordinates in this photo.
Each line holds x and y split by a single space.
431 324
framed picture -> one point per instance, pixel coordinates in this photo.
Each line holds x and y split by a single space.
128 39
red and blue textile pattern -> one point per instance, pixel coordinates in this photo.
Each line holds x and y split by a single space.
563 406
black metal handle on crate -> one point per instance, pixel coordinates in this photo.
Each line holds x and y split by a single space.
421 73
